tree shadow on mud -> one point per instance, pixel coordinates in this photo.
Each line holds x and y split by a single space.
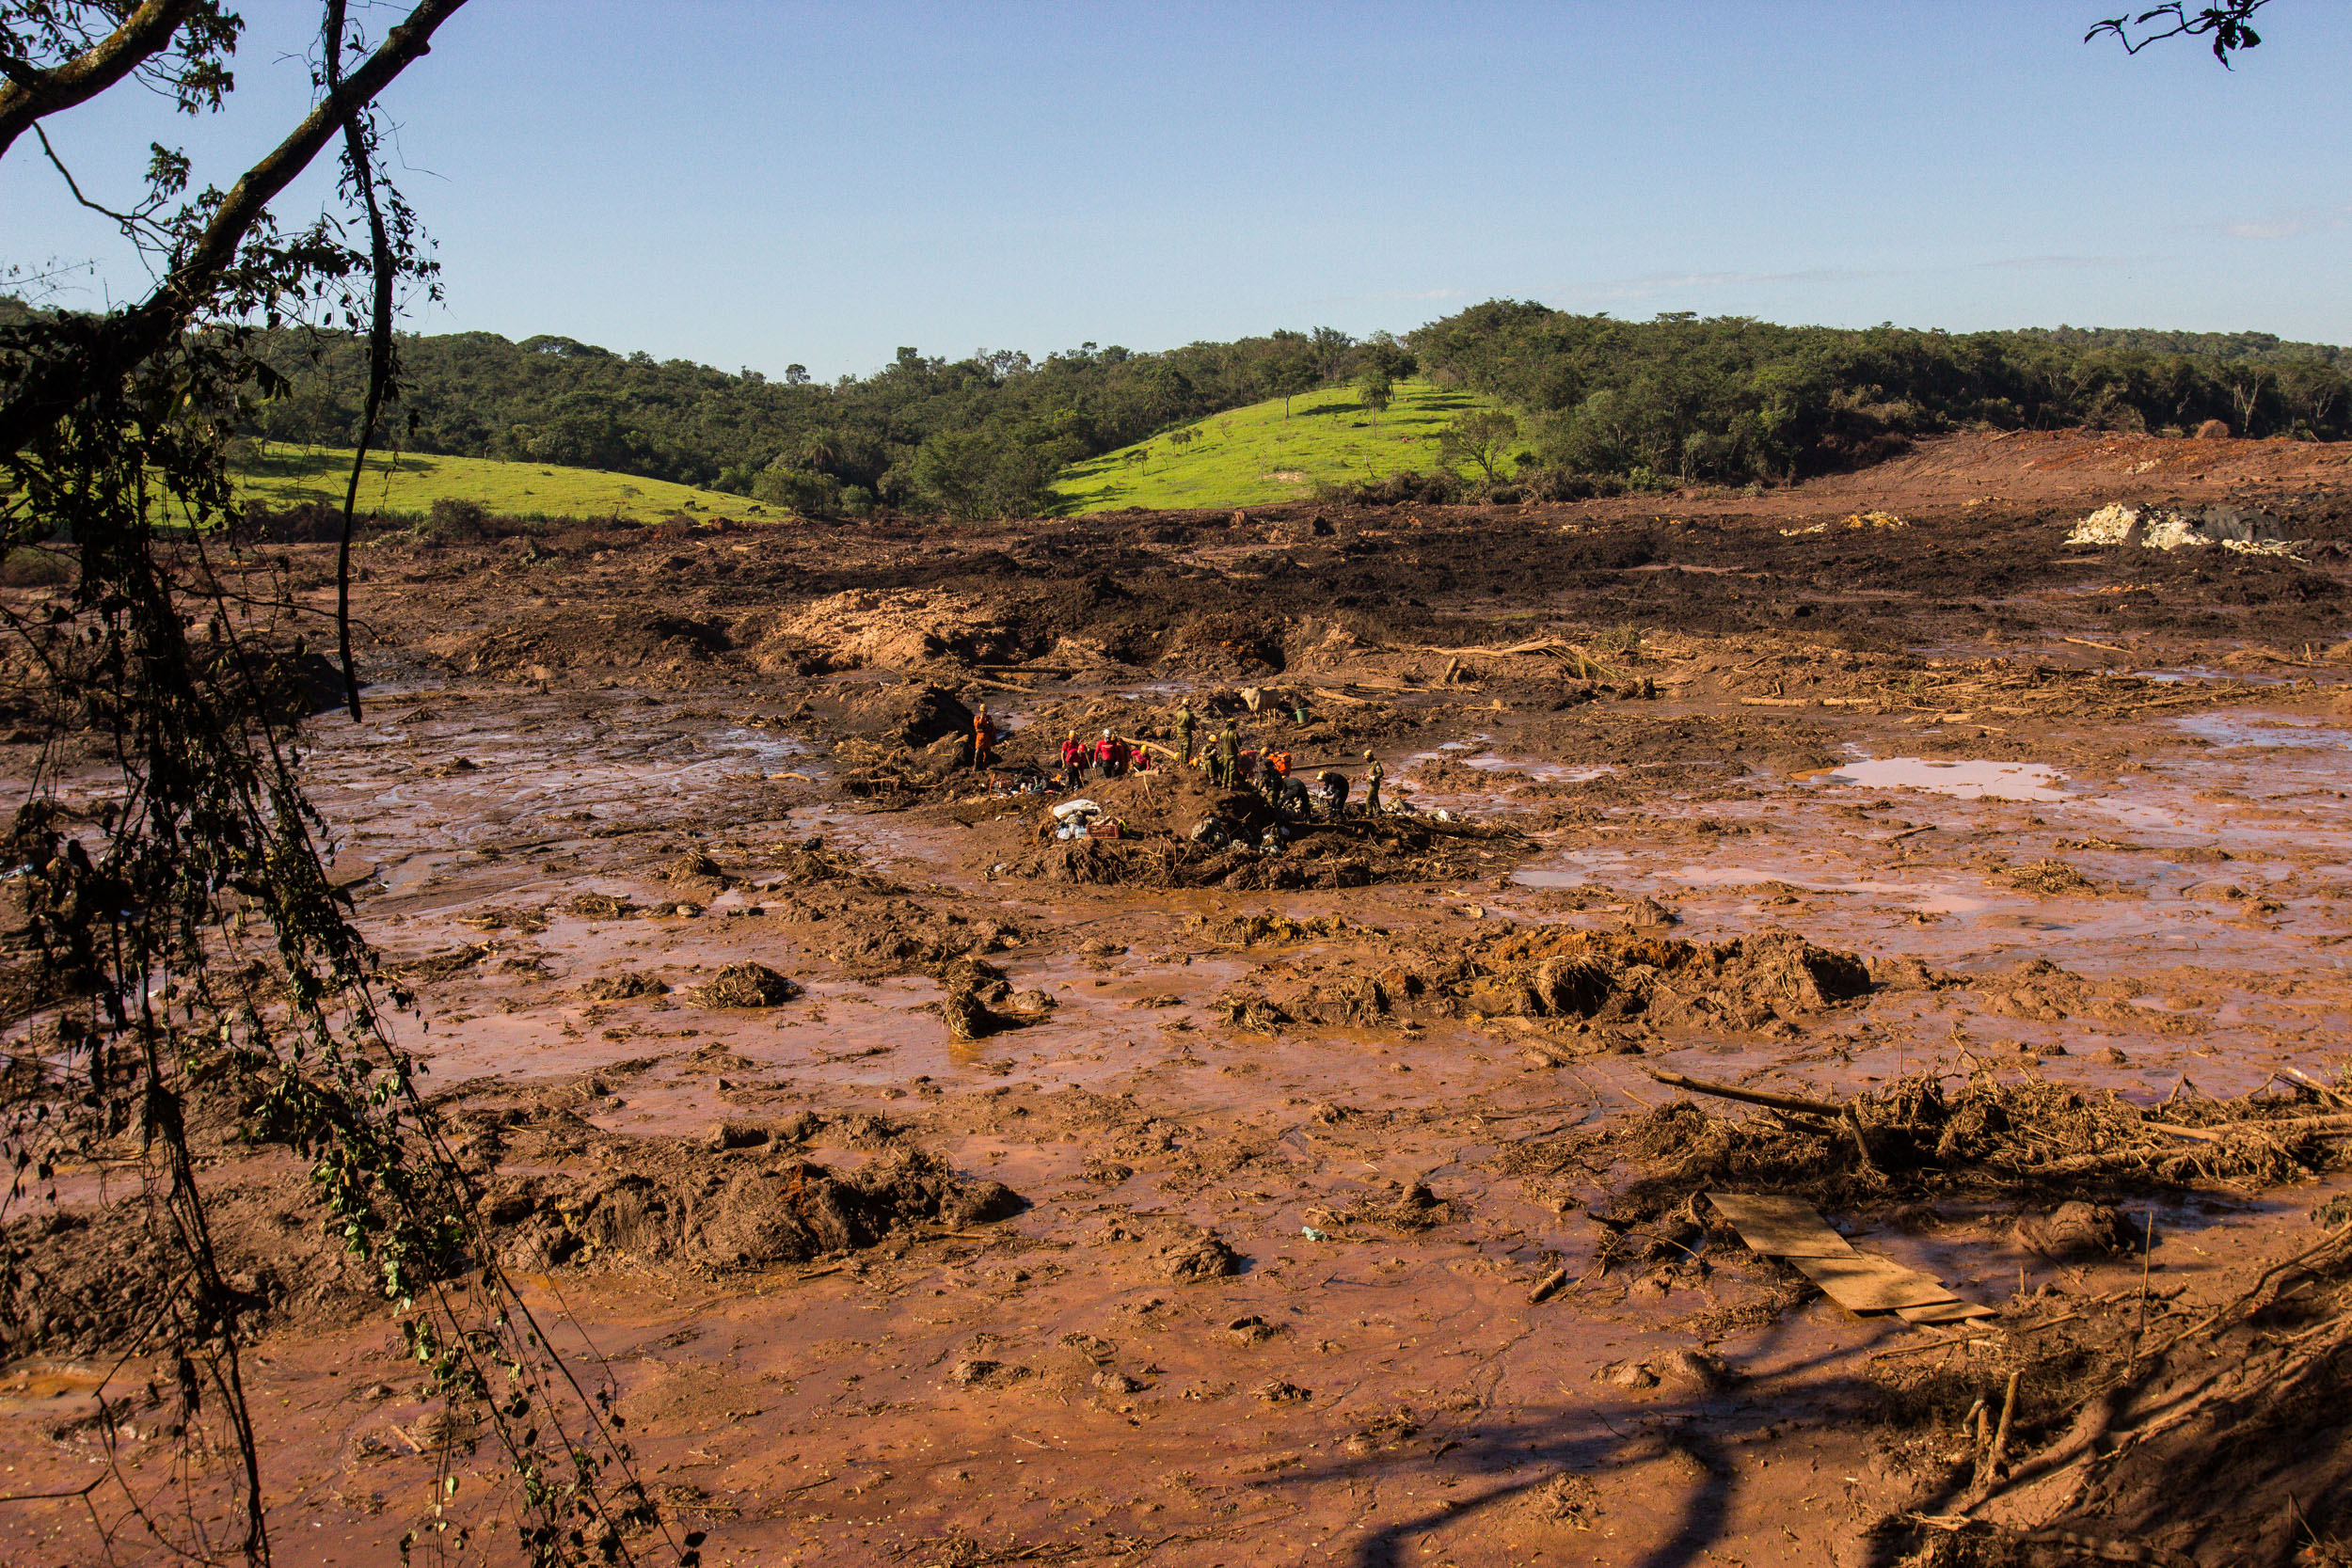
2223 1435
1706 1429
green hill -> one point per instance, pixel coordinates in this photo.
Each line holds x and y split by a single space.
1253 455
407 484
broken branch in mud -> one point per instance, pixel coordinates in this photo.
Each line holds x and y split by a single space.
2322 1127
1752 1097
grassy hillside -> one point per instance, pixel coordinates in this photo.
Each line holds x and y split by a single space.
1253 455
410 485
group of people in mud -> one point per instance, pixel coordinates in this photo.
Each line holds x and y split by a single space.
1228 762
1113 756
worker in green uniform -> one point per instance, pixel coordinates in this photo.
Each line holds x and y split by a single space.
1373 775
1228 757
1183 733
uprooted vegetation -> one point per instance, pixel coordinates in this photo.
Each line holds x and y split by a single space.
1923 1137
2101 1422
2060 1432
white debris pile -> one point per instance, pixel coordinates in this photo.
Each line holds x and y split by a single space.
2156 527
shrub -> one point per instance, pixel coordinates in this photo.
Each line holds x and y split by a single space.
34 566
452 521
802 490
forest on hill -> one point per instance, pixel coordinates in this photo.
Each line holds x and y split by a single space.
985 435
1679 399
1598 403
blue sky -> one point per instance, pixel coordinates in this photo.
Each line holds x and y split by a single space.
762 183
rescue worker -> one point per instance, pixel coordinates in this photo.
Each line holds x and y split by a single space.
1106 755
1334 792
1274 771
1373 775
1228 757
983 739
1183 733
1073 761
1293 802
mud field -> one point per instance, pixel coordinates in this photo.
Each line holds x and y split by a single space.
938 1191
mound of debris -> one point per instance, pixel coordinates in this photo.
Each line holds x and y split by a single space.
1750 981
1231 645
1169 829
1921 1137
1548 973
900 936
671 1203
746 985
83 1282
895 745
625 985
978 1000
901 629
2232 528
644 646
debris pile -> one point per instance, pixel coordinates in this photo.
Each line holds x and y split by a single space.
1921 1135
2154 527
677 1204
746 985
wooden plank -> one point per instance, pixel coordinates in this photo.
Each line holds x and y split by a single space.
1780 1227
1868 1283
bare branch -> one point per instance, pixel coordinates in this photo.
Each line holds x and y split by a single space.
136 226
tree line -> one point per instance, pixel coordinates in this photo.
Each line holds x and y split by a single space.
985 435
1601 403
1679 399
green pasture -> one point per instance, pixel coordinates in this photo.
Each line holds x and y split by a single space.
1250 456
407 484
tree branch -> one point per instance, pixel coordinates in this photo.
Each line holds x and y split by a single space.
123 341
2230 23
360 155
34 95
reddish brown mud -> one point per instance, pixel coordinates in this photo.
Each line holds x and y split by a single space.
1207 1203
